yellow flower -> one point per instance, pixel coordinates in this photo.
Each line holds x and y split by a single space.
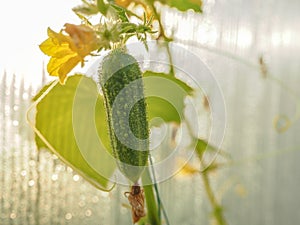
186 168
68 48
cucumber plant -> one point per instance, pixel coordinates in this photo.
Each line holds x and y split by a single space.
121 80
123 108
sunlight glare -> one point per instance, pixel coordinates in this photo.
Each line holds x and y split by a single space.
25 26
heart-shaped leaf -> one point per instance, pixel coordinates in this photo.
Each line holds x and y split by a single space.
71 120
72 123
165 97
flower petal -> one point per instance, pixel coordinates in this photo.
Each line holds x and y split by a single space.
55 64
67 51
67 67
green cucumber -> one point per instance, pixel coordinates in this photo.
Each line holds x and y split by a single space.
120 78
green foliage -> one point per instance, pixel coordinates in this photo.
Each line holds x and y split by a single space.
165 97
87 8
184 5
201 147
120 12
71 119
56 112
121 80
54 120
102 7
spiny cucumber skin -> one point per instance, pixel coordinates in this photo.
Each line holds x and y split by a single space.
119 69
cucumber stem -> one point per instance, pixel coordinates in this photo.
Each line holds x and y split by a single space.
152 212
158 199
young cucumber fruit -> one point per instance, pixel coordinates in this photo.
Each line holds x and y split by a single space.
121 81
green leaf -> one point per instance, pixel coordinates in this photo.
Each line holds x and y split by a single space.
71 118
102 7
120 12
87 9
165 97
184 5
63 118
203 145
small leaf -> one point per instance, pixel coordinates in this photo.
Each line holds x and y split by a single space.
203 145
120 12
184 5
102 7
87 9
165 97
67 117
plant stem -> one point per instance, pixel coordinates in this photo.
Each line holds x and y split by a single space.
155 188
163 35
165 38
217 209
158 199
171 72
150 199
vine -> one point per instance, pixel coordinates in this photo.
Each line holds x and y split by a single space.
118 22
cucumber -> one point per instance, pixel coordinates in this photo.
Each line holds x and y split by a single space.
121 81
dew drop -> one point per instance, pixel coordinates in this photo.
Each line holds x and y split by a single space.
76 178
68 216
23 173
16 108
32 163
13 216
31 183
81 204
25 96
88 213
15 123
54 177
95 199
